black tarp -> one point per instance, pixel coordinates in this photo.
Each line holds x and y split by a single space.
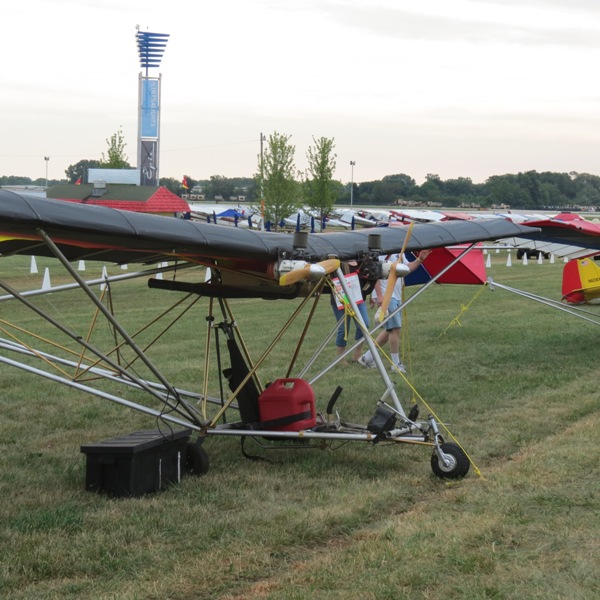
101 233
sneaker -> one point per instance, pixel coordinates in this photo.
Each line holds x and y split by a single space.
365 363
398 367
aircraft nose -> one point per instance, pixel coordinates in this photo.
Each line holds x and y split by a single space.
402 270
316 272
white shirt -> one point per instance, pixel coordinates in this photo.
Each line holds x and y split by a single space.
397 293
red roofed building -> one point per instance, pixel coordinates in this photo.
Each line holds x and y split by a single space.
136 198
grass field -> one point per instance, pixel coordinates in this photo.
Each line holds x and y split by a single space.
515 381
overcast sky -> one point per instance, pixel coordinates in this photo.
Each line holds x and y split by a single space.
456 88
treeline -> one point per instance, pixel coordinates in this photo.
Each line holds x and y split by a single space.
530 190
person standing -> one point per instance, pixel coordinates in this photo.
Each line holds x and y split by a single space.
392 328
345 319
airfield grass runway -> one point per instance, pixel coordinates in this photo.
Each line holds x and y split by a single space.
515 381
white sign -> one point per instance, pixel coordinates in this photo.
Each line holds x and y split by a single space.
353 283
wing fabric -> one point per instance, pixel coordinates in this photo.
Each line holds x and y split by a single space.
572 239
94 232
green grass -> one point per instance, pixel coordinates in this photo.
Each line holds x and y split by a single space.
515 382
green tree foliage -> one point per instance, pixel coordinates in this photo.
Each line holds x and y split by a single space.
587 189
16 180
276 178
171 184
506 189
319 187
432 188
386 191
80 169
219 187
115 157
529 190
533 190
400 185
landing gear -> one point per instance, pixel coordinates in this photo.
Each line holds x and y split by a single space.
453 462
197 462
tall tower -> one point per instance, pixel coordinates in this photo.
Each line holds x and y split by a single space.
151 47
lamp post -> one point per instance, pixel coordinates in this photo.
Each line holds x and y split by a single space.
46 158
352 163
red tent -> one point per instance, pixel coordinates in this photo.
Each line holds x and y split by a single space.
470 269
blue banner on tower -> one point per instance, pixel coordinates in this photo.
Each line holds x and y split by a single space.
149 110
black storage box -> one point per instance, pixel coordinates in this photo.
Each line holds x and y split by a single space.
383 420
137 463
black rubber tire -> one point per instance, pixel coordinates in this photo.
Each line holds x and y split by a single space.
460 460
197 462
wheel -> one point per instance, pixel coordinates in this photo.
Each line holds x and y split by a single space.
197 462
458 462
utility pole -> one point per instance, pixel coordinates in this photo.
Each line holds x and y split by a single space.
47 159
352 163
262 178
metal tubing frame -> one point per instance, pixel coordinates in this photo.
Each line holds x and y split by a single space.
254 367
406 435
390 390
576 312
101 281
115 365
107 315
351 347
397 436
99 393
425 286
99 372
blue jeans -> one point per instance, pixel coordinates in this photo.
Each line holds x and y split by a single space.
340 315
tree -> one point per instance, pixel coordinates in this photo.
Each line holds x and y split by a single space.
80 169
530 181
320 191
171 184
219 187
401 185
505 189
462 186
276 171
116 157
588 188
433 187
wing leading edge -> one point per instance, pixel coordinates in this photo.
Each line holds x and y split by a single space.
100 233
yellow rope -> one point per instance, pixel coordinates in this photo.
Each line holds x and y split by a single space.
349 312
463 309
427 406
415 393
441 424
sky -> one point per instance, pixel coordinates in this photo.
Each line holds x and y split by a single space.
455 88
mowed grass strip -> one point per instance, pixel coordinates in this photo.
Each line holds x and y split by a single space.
514 381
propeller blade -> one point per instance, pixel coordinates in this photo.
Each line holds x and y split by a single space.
330 265
310 272
391 282
393 277
295 276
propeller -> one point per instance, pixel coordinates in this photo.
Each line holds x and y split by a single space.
393 277
294 271
391 282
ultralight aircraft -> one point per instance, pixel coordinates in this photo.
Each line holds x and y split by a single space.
234 263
